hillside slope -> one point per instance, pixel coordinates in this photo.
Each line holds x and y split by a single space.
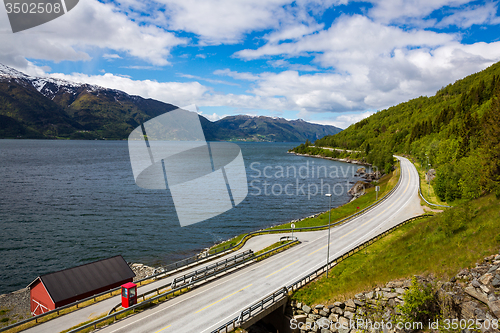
457 131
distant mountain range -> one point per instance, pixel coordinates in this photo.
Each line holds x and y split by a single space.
46 108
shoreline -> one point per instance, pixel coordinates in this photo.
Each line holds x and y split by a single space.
346 160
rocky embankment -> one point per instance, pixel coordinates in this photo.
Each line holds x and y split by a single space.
14 307
142 271
471 300
347 160
360 186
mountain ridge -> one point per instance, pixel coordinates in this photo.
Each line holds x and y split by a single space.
49 108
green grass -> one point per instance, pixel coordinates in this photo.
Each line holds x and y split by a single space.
386 184
440 245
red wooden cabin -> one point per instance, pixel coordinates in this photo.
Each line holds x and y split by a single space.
53 290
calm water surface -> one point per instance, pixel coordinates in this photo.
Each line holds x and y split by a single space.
66 203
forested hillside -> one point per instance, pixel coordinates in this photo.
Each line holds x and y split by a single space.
458 130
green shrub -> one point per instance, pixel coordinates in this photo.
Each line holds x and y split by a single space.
420 303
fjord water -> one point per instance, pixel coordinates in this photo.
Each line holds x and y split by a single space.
66 203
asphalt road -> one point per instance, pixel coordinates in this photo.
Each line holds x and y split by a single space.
207 307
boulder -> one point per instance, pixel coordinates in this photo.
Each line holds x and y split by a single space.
349 315
485 289
493 269
350 303
358 302
334 317
486 278
344 322
306 309
468 310
477 295
313 316
359 188
323 323
430 175
495 308
337 310
339 304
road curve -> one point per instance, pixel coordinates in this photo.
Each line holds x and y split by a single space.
207 307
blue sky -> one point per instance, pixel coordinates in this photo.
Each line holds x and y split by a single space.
331 62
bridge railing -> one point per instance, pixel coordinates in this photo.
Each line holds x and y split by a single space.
174 292
206 271
278 295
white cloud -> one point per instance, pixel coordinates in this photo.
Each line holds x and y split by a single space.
374 65
195 77
111 56
237 75
214 116
280 63
402 11
227 21
345 120
177 93
467 17
73 37
293 32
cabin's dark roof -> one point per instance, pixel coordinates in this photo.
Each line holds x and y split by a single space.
83 279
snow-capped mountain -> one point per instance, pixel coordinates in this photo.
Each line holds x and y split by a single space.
51 87
42 107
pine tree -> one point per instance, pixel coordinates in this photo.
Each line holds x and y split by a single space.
491 147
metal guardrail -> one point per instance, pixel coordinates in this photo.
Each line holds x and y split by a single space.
201 273
280 293
350 217
420 193
198 274
172 292
165 270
